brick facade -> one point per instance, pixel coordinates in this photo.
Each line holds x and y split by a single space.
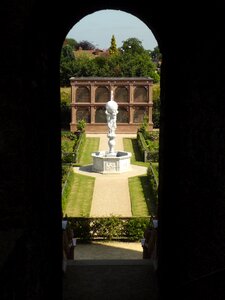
90 94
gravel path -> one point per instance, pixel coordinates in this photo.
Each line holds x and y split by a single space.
111 191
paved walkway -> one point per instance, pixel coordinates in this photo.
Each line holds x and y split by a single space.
111 191
108 250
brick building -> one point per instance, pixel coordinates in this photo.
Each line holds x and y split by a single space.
90 94
191 244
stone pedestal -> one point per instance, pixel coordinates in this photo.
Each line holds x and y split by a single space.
111 163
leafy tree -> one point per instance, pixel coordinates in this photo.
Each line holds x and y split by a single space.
136 61
66 71
133 61
102 66
67 53
115 65
132 45
138 65
156 55
66 65
84 66
71 42
113 48
65 99
85 45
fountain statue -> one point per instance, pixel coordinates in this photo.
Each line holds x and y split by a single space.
111 114
110 162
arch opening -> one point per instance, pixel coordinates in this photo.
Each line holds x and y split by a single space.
140 97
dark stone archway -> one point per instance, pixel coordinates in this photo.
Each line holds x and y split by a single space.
191 192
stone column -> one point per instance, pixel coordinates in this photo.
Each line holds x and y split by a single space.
131 101
73 101
74 114
93 109
131 115
73 93
150 101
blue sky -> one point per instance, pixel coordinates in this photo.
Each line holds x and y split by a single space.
99 27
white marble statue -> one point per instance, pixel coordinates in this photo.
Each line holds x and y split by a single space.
111 116
111 161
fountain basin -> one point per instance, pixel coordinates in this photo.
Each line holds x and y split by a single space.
111 163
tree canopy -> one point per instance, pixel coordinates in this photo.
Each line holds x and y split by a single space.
85 45
132 46
71 42
131 60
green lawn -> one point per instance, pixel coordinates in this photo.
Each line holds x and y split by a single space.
91 145
138 185
138 191
131 145
80 197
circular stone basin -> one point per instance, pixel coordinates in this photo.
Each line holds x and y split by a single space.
111 163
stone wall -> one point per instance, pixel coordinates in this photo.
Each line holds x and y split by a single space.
192 145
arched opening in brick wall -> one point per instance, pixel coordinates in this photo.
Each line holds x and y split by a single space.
89 95
191 191
132 94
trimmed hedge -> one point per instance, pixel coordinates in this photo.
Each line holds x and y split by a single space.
79 145
148 148
153 186
74 156
109 228
66 187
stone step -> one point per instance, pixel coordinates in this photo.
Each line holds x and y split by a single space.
110 279
109 262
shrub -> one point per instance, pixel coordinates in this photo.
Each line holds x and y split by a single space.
153 186
109 228
135 228
81 125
